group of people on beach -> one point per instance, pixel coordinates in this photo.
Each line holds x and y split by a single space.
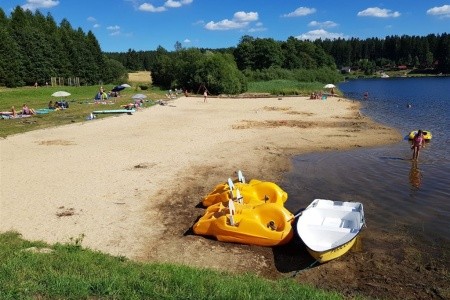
58 105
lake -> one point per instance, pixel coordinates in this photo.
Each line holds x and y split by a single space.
394 190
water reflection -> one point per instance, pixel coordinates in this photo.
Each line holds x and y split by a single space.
415 176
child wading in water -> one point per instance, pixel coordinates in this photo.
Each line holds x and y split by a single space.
418 143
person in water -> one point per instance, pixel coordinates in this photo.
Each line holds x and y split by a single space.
418 143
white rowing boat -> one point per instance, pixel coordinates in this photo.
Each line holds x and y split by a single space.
329 228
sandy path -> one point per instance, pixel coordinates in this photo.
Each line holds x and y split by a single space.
122 182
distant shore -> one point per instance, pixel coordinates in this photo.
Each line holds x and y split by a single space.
113 180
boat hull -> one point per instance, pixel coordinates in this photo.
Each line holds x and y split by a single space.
324 256
266 224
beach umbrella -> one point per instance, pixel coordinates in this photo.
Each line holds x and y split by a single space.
118 88
60 94
125 85
139 96
329 86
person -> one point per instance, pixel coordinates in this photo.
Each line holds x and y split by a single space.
417 143
13 111
50 105
27 111
205 95
332 92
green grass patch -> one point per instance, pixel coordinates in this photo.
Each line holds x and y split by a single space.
285 87
80 105
69 271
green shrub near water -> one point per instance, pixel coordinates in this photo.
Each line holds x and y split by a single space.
69 271
285 87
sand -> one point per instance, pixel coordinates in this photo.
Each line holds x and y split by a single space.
130 185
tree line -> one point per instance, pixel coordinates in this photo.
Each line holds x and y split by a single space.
267 59
430 52
34 49
228 70
372 54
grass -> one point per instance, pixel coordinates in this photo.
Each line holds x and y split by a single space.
69 271
285 87
143 77
80 105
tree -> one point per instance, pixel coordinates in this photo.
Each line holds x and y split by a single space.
178 46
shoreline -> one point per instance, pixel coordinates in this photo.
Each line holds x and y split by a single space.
131 185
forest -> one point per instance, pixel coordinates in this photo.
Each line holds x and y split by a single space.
34 49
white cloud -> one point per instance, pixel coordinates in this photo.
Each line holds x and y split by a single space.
258 27
225 25
187 41
242 16
92 19
326 24
378 13
36 4
240 20
301 12
320 34
176 4
150 8
442 11
96 25
113 28
172 4
167 5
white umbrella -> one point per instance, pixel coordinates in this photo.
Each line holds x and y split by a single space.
329 86
125 85
61 94
139 96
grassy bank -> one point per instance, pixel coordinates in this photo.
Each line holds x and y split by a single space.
285 87
81 104
35 270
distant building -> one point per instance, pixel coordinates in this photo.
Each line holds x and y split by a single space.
402 67
346 70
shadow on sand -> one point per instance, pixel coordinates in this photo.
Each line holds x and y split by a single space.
292 257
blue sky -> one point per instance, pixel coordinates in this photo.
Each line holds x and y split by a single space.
120 25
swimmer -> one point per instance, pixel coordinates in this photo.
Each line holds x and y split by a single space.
418 143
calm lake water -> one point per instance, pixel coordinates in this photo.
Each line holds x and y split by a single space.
393 189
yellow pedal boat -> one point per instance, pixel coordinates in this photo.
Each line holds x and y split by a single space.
255 192
329 228
426 134
267 224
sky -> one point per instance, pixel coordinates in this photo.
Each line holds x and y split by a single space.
143 25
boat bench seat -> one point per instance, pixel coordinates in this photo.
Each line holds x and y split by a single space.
329 228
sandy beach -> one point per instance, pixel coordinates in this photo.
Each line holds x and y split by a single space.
131 184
